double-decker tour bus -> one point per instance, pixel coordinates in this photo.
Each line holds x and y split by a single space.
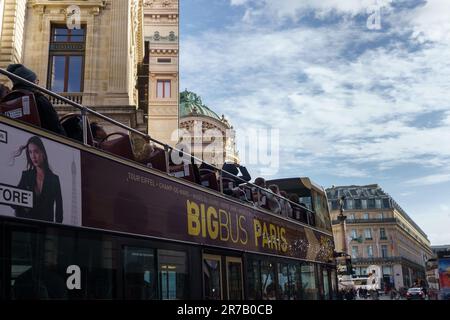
85 219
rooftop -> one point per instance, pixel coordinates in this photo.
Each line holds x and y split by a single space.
191 105
373 192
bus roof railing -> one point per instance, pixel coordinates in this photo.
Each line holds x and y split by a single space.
166 147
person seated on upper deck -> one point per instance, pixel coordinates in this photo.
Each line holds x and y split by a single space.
266 198
296 210
47 113
231 182
4 90
143 150
286 208
98 133
275 203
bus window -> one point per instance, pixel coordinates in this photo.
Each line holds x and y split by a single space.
172 274
326 284
295 281
212 277
29 270
309 286
234 278
41 257
283 281
254 280
268 280
321 211
139 274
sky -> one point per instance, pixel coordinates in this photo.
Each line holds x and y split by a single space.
344 92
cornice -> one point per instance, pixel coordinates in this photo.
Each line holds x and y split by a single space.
41 6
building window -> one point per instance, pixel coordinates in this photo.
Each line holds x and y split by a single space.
354 252
351 217
386 203
368 234
354 235
163 89
357 203
380 216
383 234
349 204
387 270
363 204
384 251
66 59
164 60
366 216
370 251
371 203
334 205
378 203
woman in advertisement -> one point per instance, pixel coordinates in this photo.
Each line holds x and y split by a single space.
39 178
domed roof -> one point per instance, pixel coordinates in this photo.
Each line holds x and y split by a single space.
191 105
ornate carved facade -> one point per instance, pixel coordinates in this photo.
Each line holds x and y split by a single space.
110 52
211 138
161 37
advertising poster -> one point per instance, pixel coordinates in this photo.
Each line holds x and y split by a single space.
444 278
39 179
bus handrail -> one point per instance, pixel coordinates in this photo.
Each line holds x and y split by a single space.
166 147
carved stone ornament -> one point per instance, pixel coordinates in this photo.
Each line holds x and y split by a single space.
149 3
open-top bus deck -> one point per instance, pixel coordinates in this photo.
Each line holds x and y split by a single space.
102 226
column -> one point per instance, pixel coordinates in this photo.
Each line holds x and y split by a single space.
118 76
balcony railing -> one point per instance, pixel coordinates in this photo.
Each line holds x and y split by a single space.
354 221
76 97
376 260
396 259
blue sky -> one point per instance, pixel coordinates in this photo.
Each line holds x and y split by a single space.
352 105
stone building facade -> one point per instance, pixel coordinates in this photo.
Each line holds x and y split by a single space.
161 42
96 63
379 232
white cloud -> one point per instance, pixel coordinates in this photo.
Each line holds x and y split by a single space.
295 9
435 223
327 105
238 2
431 22
363 123
429 180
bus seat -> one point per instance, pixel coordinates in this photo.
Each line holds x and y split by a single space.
249 196
73 125
158 160
228 183
184 171
209 180
120 146
21 105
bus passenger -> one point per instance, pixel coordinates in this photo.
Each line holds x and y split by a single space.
4 90
286 208
47 114
231 183
98 133
274 203
266 198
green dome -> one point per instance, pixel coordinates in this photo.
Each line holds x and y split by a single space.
191 105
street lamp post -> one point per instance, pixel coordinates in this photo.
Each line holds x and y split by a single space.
341 219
